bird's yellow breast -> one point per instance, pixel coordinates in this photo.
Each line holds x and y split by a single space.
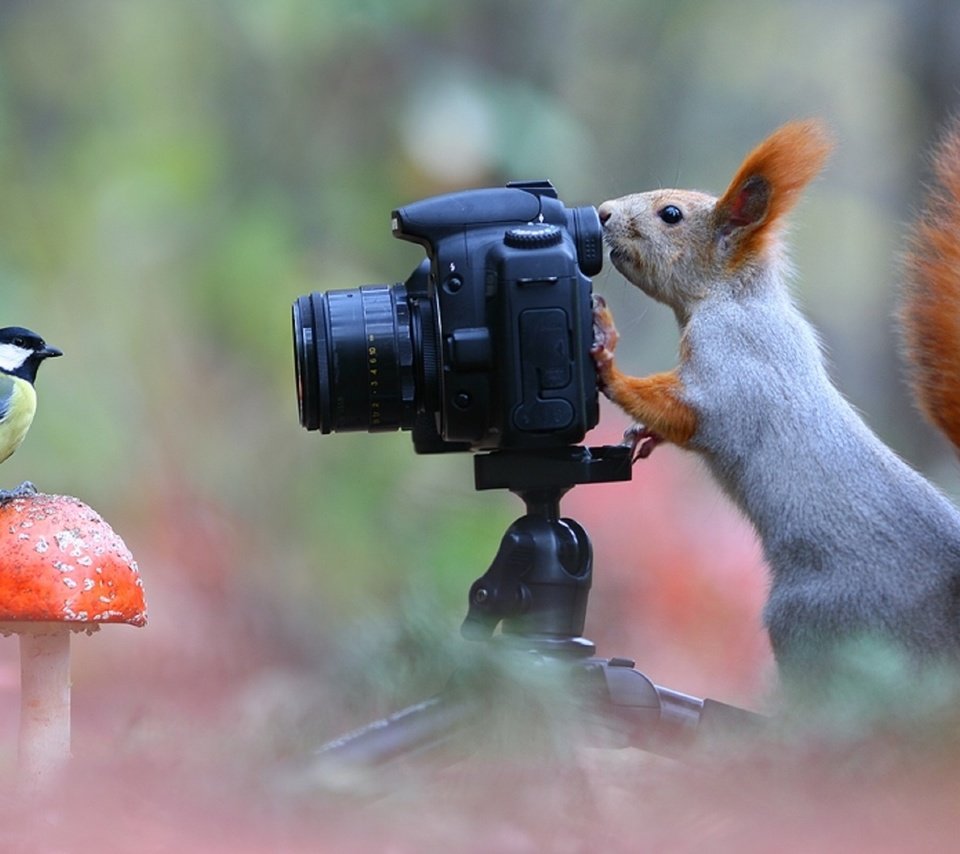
14 425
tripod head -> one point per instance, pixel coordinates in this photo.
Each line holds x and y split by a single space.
539 581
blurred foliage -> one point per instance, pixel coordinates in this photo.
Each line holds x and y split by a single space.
175 173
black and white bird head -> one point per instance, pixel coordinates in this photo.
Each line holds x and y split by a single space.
22 351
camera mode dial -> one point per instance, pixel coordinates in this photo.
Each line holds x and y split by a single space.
533 236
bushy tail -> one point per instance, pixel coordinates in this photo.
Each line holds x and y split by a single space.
930 308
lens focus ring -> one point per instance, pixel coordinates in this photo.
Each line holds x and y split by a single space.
355 359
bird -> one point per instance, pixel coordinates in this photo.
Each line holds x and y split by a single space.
21 354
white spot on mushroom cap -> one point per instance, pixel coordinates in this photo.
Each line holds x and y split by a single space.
70 541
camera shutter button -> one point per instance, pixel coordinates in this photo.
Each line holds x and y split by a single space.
533 236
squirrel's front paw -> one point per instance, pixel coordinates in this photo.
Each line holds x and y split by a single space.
605 337
641 440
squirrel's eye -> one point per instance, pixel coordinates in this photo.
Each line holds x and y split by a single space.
671 214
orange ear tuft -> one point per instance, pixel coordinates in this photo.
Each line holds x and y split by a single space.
768 183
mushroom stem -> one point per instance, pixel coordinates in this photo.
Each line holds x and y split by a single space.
44 702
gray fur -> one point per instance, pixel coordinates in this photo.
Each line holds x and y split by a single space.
858 543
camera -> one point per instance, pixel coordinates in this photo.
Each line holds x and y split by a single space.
485 346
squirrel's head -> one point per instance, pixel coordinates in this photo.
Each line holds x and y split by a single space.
681 246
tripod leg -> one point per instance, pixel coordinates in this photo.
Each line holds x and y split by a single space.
659 719
426 725
348 762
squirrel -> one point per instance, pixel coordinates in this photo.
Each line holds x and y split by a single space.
860 547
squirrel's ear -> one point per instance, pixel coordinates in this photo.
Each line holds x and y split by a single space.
768 183
744 205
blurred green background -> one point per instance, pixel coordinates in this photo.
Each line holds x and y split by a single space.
174 174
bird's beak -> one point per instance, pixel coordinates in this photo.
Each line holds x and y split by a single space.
48 352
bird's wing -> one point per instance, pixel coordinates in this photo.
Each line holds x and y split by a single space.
6 395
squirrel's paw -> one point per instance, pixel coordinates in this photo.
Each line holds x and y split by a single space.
605 337
641 440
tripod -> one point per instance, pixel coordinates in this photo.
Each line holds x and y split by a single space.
536 590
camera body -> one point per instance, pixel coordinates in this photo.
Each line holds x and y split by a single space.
487 344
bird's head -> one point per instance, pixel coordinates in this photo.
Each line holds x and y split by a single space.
22 351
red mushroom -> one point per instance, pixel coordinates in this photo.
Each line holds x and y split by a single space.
62 569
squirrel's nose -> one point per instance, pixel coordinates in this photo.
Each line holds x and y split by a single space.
605 211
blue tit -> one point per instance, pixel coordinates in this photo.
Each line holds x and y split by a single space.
21 352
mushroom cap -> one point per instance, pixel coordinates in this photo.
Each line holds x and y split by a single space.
60 562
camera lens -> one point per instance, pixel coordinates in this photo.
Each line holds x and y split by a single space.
360 355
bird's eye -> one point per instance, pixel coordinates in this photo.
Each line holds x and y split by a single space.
19 342
670 214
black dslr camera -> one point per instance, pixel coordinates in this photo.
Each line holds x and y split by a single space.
486 346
